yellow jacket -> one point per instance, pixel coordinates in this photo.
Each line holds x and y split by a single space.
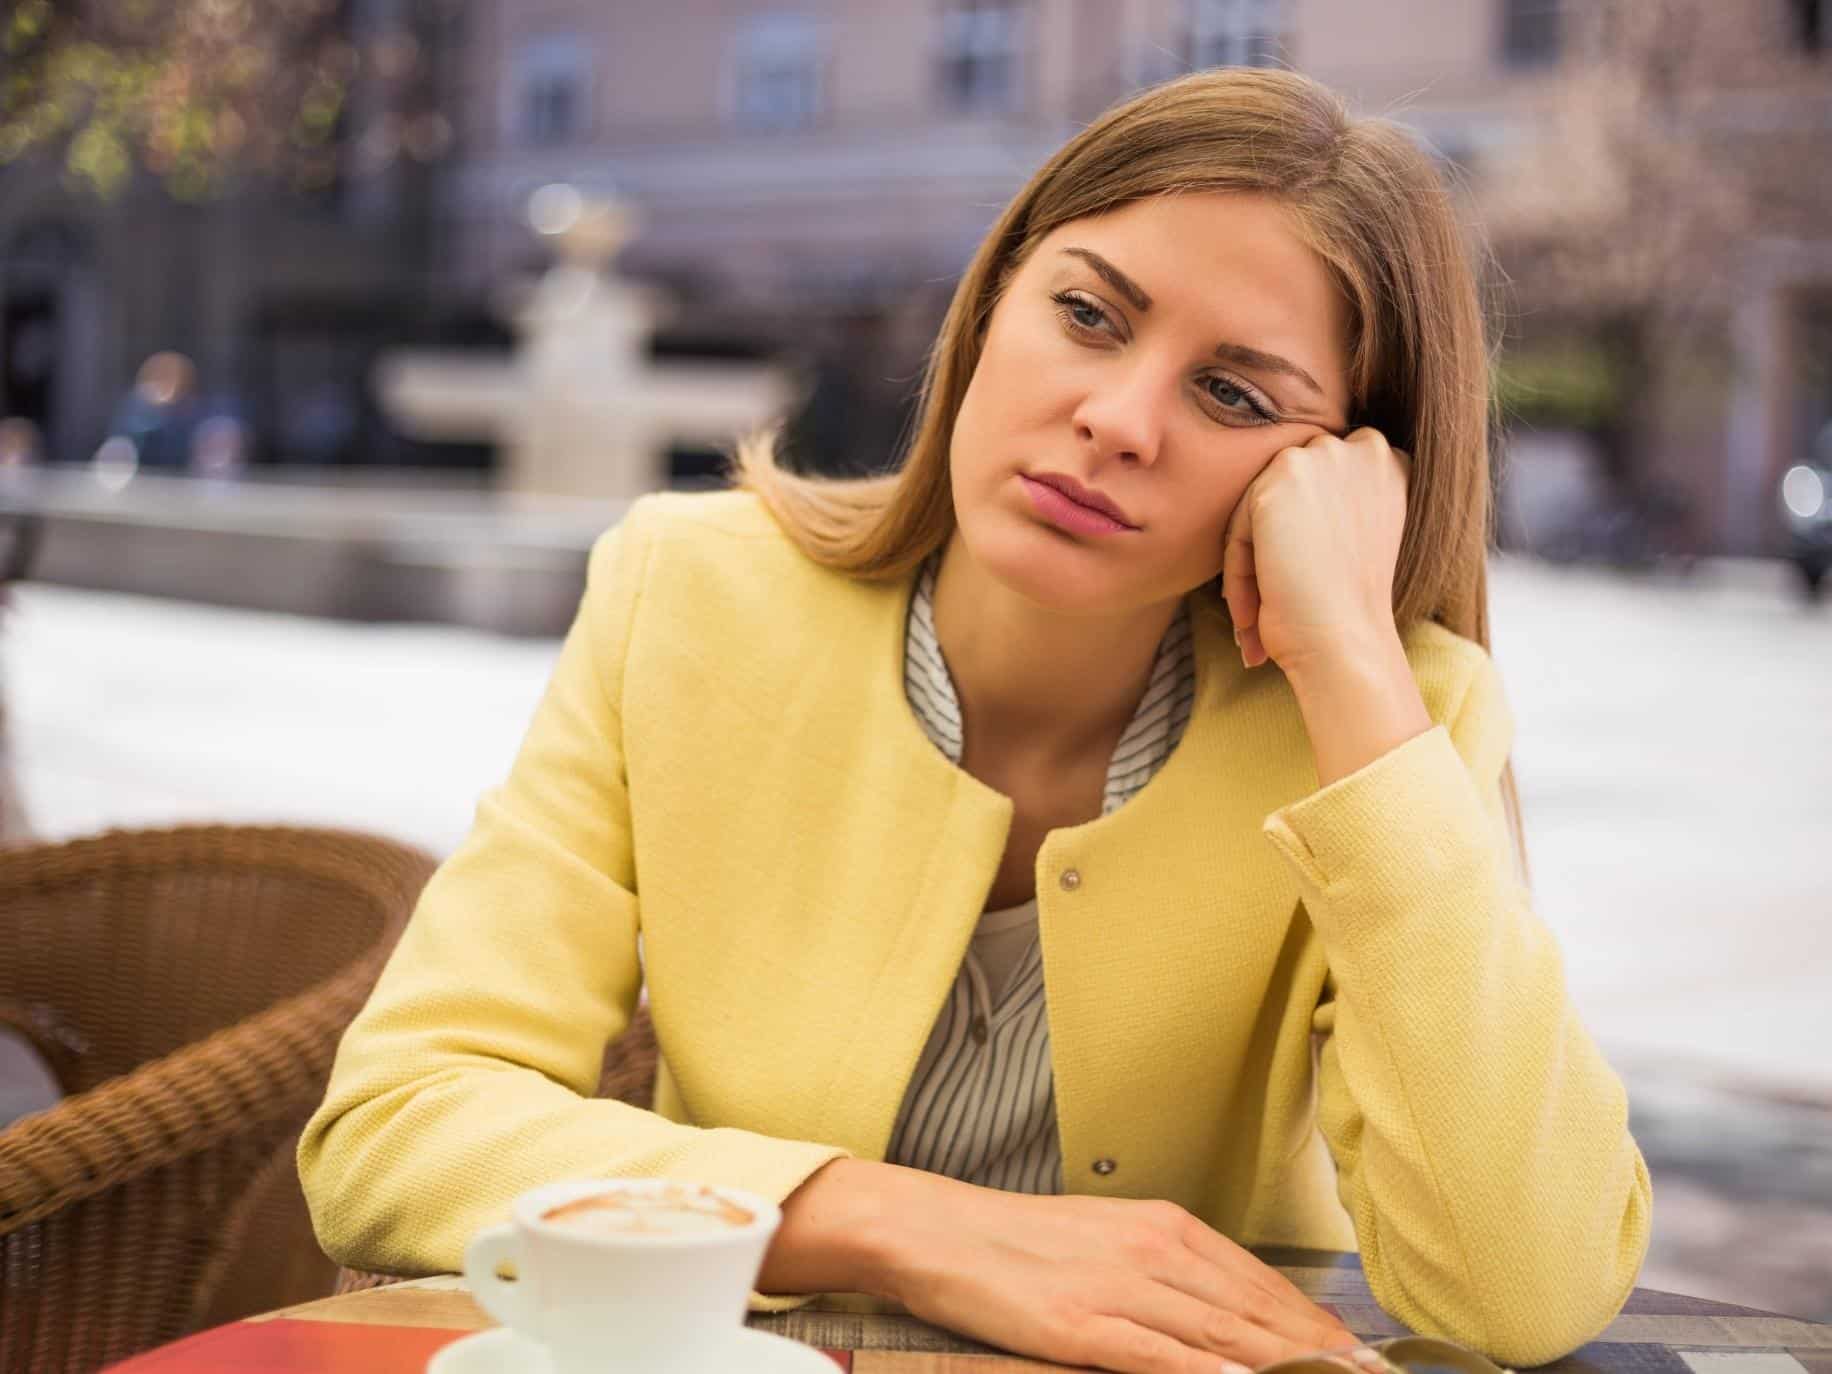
1315 1018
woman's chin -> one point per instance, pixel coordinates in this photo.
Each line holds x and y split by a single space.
1052 569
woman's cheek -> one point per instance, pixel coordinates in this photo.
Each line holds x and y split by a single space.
1189 552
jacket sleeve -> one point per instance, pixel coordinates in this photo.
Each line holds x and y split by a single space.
466 1078
1480 1139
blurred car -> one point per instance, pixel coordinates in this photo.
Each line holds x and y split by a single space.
1806 510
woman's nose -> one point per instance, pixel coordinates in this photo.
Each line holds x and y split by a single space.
1124 414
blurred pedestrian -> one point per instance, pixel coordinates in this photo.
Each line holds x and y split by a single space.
21 444
160 412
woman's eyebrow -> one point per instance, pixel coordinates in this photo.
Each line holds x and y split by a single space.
1118 280
1239 354
1265 362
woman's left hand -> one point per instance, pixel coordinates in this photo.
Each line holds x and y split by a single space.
1309 556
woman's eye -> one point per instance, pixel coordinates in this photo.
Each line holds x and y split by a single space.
1238 400
1226 392
1080 312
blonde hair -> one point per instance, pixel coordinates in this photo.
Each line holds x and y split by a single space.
1371 205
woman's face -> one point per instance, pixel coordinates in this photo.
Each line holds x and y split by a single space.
1161 355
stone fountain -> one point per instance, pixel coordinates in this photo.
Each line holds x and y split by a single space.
580 410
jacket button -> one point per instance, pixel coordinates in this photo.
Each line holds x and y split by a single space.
1104 1166
1071 879
977 1029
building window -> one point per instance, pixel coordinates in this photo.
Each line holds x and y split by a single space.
1236 33
1809 25
779 72
1530 32
551 91
982 47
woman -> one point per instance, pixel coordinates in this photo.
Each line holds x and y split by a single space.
941 805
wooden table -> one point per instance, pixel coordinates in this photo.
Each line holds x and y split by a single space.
1657 1333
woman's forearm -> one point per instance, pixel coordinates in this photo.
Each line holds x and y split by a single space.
842 1229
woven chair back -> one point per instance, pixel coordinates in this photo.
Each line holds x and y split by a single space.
187 988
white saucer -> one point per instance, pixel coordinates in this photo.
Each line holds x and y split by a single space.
501 1351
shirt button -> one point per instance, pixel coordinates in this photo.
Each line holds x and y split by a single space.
1071 879
977 1029
1104 1166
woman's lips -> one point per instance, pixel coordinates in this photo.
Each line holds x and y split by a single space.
1069 515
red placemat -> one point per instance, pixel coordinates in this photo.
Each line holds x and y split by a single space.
284 1346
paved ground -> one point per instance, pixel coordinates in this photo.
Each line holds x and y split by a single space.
1675 760
1674 754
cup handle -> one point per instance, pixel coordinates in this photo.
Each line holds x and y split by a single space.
507 1301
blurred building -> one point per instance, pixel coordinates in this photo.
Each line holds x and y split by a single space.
817 173
813 174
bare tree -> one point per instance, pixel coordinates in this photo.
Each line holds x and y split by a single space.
1645 180
201 93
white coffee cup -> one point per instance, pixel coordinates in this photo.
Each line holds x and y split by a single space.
658 1301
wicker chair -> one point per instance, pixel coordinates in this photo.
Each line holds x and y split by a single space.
187 988
629 1076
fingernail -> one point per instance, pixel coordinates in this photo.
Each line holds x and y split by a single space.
1237 636
1368 1359
1229 1367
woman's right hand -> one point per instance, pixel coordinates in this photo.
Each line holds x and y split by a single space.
1131 1286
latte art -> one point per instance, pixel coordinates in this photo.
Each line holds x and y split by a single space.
671 1211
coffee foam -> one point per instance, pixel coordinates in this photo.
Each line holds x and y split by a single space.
677 1209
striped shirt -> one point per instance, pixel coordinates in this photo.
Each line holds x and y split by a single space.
981 1105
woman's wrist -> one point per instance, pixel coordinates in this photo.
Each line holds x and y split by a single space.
1358 703
847 1229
